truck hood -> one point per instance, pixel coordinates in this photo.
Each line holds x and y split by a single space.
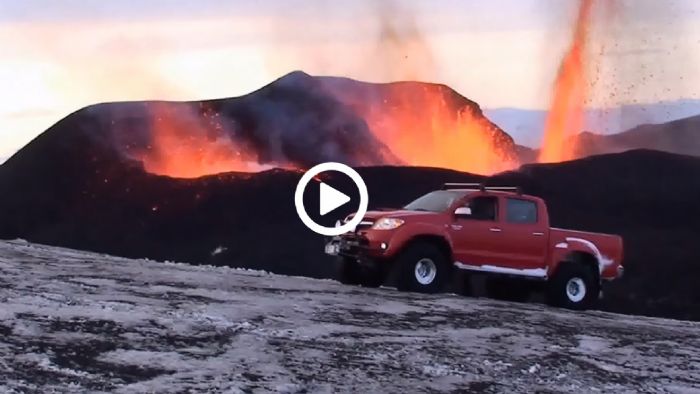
402 214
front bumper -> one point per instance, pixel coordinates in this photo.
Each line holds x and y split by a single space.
363 245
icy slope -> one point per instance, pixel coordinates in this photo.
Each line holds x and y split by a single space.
73 321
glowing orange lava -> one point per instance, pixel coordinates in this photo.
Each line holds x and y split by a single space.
420 124
187 145
426 125
565 117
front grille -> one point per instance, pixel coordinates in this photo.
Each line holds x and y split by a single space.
364 225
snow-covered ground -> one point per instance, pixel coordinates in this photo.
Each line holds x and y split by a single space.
74 321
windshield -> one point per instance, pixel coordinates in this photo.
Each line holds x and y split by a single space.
437 201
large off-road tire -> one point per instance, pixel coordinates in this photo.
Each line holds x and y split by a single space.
352 273
573 286
508 289
423 268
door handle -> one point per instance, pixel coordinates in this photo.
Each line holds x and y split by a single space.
538 234
495 230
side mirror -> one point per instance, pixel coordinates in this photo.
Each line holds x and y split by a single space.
463 212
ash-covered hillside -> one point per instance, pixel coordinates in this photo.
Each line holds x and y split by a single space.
75 322
680 136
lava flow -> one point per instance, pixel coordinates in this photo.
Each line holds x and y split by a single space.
413 124
424 125
185 144
565 117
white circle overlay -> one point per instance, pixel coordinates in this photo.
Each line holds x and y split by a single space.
299 199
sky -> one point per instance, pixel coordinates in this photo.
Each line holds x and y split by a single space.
60 56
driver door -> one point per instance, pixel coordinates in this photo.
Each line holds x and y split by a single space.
476 238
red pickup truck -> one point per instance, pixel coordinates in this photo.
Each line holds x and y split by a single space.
490 230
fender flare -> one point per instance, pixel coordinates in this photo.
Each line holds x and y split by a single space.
574 244
419 230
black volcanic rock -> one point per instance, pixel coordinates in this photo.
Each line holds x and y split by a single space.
295 120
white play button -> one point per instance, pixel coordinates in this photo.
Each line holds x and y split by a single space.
330 199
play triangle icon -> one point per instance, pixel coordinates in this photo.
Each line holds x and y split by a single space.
330 199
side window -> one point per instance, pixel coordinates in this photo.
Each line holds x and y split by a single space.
521 211
484 208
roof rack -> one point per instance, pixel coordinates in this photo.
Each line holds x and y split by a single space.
481 187
468 186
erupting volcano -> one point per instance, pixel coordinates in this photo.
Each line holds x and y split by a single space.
300 120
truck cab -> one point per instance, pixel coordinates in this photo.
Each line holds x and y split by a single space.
497 231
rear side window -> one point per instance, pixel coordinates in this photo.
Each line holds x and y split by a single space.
521 211
484 208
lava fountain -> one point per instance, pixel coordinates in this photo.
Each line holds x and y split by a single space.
565 117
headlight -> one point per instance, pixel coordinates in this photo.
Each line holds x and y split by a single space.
387 224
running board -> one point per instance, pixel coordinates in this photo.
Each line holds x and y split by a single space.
529 272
